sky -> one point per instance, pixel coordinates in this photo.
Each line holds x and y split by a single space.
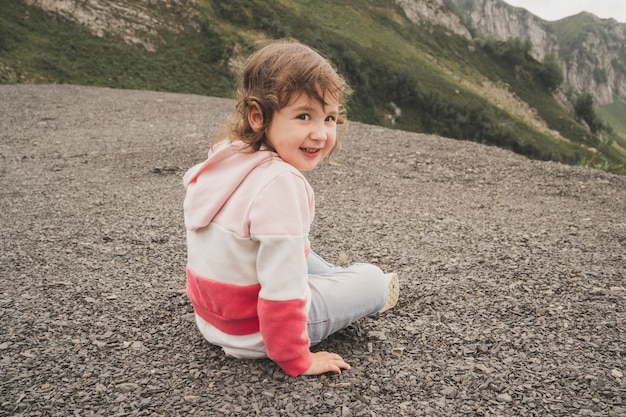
557 9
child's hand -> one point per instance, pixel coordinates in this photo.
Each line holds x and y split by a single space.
326 362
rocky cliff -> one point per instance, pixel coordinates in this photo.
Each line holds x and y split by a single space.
135 22
593 55
591 51
497 19
433 12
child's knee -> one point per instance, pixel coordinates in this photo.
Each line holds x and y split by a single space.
374 271
373 276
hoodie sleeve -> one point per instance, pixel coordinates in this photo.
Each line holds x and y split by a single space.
280 220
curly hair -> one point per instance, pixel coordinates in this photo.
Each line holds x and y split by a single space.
274 75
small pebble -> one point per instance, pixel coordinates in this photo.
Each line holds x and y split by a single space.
504 398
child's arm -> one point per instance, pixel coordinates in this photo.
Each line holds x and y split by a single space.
280 221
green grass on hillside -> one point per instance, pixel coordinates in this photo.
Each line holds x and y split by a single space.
36 48
615 115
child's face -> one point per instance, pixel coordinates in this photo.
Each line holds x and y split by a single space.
304 131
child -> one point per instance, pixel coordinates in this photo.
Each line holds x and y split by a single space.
256 287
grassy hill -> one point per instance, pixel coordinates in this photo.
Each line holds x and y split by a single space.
614 115
418 78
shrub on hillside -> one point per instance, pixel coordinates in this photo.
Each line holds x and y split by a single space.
549 73
513 51
583 107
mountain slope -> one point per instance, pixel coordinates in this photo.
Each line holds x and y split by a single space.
414 74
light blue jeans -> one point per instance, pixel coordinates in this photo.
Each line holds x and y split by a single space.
340 296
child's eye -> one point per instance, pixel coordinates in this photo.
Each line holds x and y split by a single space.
331 119
304 117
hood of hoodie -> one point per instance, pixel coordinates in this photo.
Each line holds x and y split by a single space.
211 183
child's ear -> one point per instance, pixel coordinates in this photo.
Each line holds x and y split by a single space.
255 116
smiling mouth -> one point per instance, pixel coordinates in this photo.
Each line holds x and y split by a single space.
310 150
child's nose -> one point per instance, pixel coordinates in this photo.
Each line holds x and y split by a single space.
318 132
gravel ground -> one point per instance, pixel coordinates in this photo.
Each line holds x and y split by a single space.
512 272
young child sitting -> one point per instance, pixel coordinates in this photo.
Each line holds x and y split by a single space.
256 287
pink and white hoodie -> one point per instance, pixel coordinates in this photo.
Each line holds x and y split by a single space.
248 217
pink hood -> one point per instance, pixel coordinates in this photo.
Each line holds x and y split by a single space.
211 183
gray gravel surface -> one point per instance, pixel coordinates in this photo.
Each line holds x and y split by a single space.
512 272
